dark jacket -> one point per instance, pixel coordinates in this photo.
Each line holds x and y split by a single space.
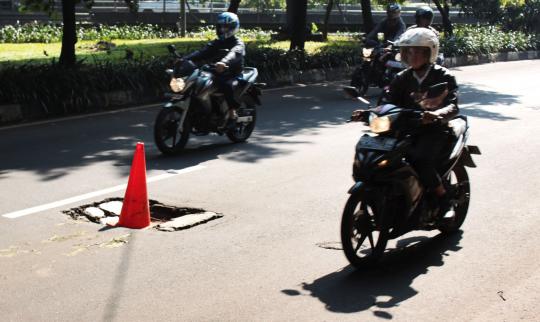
405 83
214 52
391 32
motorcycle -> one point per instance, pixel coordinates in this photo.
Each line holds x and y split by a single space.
196 106
380 65
387 199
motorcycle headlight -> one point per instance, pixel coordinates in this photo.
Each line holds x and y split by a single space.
366 52
380 124
177 84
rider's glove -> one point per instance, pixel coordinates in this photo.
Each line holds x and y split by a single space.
221 67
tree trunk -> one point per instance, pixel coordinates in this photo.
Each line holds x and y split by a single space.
298 10
367 16
445 14
69 35
233 6
329 7
183 18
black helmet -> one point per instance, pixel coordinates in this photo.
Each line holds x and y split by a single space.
423 13
393 8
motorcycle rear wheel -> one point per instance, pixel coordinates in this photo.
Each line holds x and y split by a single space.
459 180
168 136
242 131
363 242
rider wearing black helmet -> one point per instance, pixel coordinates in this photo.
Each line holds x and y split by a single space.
227 51
423 18
392 26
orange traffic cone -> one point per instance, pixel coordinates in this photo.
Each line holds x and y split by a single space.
135 209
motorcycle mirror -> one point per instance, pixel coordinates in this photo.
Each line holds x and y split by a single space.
436 90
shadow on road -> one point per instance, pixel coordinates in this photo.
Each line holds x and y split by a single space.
287 118
119 283
473 102
53 150
350 291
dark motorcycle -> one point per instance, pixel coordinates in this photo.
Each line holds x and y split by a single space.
388 200
197 107
379 66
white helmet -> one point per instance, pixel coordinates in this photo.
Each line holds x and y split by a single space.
421 37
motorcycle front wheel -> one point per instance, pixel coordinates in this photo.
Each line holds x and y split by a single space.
359 80
242 131
169 136
362 240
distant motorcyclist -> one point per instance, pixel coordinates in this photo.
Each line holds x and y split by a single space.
392 27
419 48
423 18
227 51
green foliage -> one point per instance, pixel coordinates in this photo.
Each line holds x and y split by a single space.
524 16
54 90
473 40
48 33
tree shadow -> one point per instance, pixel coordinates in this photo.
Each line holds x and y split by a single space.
386 286
288 117
53 150
474 101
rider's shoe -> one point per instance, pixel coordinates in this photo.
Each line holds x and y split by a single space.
446 210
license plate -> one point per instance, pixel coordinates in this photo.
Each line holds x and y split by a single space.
376 143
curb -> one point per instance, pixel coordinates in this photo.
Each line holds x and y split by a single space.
12 114
469 60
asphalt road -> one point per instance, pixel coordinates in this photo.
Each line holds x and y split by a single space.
275 253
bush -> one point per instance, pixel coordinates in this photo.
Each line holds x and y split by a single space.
474 40
524 18
50 89
49 33
44 91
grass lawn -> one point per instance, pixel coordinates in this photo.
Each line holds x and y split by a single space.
145 48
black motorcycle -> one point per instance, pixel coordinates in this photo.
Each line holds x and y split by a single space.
197 107
388 200
379 66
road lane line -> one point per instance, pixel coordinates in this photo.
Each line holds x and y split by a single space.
33 210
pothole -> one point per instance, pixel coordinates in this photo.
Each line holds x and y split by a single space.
162 217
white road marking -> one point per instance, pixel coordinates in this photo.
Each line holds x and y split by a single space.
33 210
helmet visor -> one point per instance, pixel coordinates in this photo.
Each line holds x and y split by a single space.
223 29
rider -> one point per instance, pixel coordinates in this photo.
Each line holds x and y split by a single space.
419 48
227 51
392 26
423 18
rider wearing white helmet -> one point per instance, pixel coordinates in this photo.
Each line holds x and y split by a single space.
419 48
227 52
